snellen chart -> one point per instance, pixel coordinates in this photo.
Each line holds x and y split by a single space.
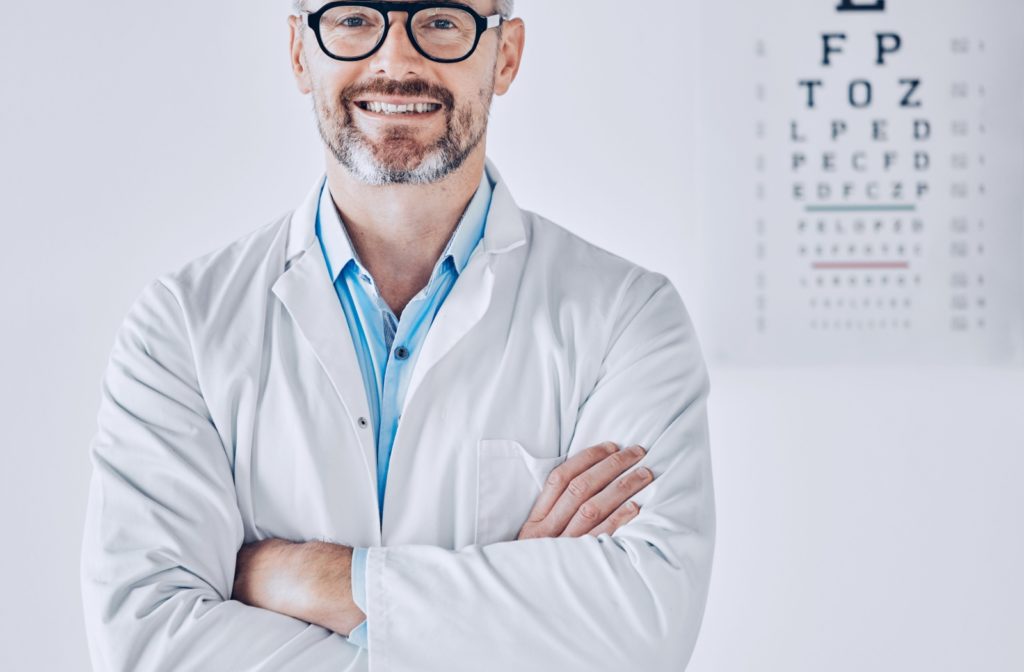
863 180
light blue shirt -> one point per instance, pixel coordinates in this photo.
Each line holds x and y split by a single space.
375 329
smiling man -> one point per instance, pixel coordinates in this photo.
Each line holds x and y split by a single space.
402 427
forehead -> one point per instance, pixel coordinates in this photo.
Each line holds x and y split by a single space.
481 6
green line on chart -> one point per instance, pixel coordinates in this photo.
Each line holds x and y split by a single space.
861 208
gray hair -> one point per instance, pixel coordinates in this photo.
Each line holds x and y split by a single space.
504 7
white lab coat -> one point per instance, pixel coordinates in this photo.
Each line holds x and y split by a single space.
232 410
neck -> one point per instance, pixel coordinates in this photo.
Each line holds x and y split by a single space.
399 230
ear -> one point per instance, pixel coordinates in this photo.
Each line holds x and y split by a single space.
510 54
296 29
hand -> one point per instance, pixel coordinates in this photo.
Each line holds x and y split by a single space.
577 498
308 581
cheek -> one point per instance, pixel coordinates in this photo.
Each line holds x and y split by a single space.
329 92
330 81
465 117
329 104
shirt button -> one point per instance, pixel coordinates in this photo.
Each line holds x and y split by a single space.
364 423
402 352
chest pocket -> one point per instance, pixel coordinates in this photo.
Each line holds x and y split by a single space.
509 480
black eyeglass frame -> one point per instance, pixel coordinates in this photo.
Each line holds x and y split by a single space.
483 24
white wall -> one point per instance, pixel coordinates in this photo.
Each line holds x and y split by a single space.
868 520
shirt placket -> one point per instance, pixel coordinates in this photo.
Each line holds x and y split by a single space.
397 334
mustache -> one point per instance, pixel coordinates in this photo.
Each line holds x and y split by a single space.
413 88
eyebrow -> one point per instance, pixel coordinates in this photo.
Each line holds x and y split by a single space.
467 3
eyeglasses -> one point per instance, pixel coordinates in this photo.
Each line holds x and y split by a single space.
446 32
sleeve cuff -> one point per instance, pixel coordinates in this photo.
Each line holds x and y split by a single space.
359 634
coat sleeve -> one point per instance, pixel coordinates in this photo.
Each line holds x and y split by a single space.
630 601
163 528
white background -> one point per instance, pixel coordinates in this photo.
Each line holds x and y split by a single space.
867 519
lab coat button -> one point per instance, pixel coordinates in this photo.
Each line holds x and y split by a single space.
402 352
364 423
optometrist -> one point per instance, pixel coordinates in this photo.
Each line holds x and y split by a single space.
410 425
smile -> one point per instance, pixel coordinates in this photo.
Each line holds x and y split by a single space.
379 107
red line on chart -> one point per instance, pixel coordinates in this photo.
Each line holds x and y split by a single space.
859 265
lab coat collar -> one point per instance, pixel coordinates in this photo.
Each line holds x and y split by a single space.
504 231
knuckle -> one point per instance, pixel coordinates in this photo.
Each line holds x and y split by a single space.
628 509
620 460
624 485
556 478
589 512
578 486
643 474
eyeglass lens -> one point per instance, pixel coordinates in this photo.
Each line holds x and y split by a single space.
442 32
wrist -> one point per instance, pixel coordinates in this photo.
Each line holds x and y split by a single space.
330 593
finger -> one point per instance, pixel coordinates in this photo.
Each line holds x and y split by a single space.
620 517
598 507
561 475
572 502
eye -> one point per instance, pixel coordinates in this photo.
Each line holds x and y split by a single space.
349 18
442 24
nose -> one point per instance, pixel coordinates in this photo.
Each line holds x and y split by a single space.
397 57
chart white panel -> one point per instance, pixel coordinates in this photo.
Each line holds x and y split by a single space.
863 180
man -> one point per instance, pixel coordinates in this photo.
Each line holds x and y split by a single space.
399 429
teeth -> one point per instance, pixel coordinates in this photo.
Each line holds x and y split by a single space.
414 108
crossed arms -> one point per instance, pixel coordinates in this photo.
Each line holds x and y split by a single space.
311 581
160 553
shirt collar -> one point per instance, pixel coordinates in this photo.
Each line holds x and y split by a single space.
337 244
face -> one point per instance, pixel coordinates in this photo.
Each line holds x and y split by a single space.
450 101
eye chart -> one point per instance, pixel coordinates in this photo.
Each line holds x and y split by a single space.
862 181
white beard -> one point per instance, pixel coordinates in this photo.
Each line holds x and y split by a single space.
364 166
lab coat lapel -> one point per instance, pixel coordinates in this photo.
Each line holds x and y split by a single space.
474 289
467 302
306 290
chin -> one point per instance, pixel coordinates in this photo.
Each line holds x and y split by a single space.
371 170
